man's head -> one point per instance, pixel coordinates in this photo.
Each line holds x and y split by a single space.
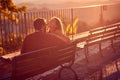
40 24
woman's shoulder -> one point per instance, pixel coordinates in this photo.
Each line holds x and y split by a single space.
62 37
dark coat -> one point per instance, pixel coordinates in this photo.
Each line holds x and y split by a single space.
39 40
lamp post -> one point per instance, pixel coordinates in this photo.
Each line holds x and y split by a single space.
102 8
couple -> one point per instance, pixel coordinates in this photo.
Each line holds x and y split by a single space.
42 39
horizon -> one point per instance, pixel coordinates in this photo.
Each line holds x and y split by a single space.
58 1
53 4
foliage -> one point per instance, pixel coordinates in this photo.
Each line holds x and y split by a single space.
8 8
72 28
12 43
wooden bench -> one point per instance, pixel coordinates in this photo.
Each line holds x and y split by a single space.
37 62
98 35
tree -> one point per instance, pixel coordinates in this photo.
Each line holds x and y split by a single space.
8 9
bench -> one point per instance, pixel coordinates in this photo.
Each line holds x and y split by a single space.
39 61
98 35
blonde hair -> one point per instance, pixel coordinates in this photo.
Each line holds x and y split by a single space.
59 24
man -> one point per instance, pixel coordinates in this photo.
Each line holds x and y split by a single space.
40 39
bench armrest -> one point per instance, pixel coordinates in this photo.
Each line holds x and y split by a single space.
5 60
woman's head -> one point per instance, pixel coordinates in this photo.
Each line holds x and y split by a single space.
56 24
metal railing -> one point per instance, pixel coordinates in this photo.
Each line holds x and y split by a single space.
13 33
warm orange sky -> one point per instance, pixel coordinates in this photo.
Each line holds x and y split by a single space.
55 1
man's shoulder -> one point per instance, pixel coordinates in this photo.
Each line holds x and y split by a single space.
30 36
52 35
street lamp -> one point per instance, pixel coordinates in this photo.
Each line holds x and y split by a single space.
102 8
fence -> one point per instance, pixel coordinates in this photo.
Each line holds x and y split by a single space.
76 19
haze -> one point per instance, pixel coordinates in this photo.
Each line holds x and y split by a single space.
56 1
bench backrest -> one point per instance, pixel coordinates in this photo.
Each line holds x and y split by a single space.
103 33
37 62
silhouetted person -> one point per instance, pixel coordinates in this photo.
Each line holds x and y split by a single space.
56 27
40 39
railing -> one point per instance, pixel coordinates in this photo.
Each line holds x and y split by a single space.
80 19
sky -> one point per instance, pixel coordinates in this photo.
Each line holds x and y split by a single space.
53 1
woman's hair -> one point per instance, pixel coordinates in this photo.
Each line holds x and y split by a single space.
59 24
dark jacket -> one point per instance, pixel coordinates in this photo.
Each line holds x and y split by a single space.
39 40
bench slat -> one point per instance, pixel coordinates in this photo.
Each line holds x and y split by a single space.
31 64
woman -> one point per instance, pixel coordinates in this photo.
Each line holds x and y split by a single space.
56 27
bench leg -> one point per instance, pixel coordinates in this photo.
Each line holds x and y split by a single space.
100 49
86 53
112 45
101 75
117 68
67 75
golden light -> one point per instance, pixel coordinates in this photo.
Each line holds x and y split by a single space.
1 50
72 28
